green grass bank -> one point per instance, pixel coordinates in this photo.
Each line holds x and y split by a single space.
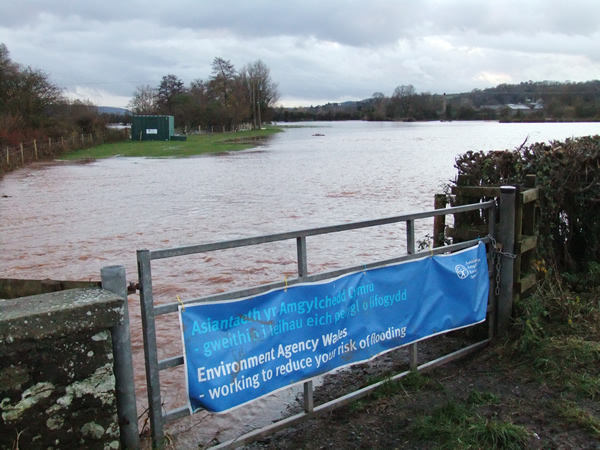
196 144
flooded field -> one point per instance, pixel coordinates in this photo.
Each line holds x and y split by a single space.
66 220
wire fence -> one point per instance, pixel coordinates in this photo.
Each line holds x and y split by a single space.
12 158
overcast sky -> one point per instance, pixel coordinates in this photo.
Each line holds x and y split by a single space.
318 51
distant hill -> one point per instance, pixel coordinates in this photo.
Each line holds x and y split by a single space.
112 110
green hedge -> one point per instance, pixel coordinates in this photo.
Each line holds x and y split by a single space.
568 174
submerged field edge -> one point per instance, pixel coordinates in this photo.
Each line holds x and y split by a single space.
196 144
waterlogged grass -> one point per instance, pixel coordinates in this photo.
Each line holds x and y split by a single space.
571 363
387 389
560 336
413 381
457 425
483 398
576 415
416 381
196 144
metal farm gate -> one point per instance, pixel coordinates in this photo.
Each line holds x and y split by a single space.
499 244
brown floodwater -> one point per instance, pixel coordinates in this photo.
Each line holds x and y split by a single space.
66 220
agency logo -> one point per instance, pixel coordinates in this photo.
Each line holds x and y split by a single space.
461 271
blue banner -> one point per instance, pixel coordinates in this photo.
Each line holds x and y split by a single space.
237 351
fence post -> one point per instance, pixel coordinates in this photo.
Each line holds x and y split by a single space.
49 145
506 236
492 300
528 226
413 348
113 279
309 402
150 348
35 149
439 222
7 155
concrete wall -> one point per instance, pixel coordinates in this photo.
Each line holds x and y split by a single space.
15 288
57 386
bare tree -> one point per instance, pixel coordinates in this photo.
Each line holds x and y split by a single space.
223 80
8 74
26 93
403 97
199 95
144 101
228 105
379 102
263 92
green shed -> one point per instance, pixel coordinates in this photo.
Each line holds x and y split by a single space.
152 128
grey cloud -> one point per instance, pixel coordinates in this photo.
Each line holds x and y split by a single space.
316 50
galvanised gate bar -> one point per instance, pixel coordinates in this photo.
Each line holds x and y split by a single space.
498 308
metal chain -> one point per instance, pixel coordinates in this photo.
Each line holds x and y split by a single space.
497 254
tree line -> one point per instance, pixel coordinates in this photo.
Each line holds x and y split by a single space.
227 99
544 100
34 108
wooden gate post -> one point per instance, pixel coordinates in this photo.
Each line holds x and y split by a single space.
506 237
